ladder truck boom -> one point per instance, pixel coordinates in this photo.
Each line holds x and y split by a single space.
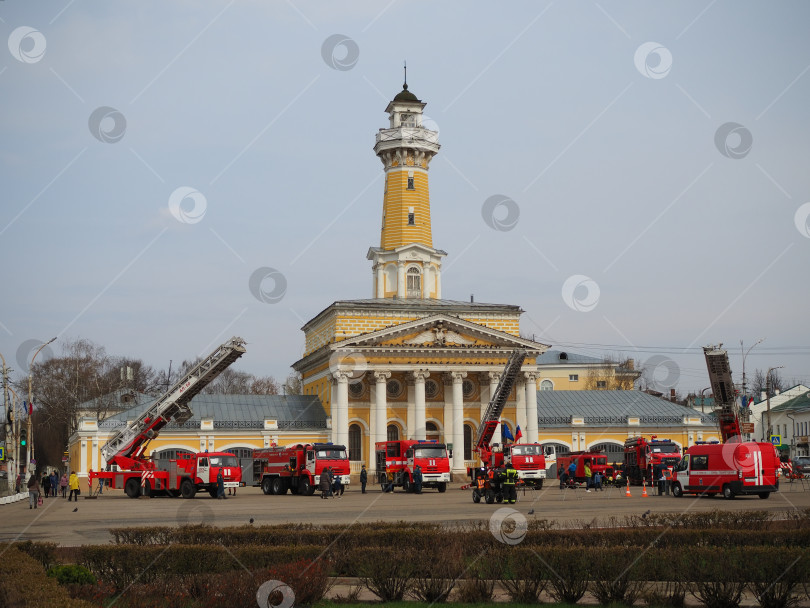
126 447
495 408
723 388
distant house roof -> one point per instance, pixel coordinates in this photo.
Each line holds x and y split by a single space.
556 408
242 412
797 404
798 389
559 357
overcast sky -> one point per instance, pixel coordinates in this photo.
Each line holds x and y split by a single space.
650 159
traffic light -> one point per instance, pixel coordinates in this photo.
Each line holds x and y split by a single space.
23 437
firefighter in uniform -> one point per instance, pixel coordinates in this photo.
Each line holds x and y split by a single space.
510 493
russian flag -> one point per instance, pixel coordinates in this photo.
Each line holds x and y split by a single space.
518 433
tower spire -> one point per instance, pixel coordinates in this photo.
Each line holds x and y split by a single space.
405 67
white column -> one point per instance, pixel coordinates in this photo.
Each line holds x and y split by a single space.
520 407
438 283
400 279
420 430
410 420
494 378
83 460
531 407
340 416
380 407
458 423
380 281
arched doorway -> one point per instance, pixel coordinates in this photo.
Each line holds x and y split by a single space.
468 442
355 443
432 431
393 432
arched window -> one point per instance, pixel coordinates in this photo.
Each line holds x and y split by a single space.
468 441
393 432
414 283
431 431
355 442
546 385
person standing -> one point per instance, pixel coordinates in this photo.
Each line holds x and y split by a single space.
33 492
363 479
63 485
417 480
323 482
510 492
588 476
73 484
220 485
46 485
572 474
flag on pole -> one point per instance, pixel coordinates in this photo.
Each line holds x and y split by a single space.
518 433
31 409
506 433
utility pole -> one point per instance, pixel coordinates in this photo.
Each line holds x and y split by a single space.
8 422
768 395
30 412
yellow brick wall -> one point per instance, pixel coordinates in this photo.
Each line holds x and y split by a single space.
397 199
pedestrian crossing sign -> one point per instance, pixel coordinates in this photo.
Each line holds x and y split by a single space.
776 440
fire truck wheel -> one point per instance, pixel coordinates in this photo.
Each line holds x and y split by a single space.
212 492
267 485
277 487
305 488
728 494
764 495
476 496
187 489
443 486
407 486
677 491
132 488
490 498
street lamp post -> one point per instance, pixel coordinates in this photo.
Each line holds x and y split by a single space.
768 396
744 393
31 402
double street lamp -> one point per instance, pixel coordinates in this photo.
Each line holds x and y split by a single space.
31 400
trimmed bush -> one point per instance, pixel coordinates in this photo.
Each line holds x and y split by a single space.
525 575
72 574
386 572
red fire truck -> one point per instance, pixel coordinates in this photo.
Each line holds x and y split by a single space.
598 464
136 474
298 467
641 457
400 458
734 466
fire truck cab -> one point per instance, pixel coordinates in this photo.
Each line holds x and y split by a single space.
298 467
730 469
400 459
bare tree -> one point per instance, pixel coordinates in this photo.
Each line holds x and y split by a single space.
760 383
613 374
294 384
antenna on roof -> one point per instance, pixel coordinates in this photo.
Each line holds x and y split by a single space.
405 67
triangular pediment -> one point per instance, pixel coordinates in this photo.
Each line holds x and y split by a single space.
440 332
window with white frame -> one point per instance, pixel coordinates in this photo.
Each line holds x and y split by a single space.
414 283
573 377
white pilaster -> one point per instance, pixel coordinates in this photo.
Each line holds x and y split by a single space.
401 279
520 407
340 418
380 407
380 281
458 423
420 429
531 407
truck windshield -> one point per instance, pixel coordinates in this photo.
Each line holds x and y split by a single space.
527 450
224 461
331 454
433 452
665 449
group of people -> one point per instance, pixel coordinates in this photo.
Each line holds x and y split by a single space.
331 484
390 481
50 485
593 479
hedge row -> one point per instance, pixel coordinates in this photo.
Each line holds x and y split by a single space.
24 584
418 538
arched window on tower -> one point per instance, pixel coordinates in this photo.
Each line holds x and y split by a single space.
546 385
355 443
414 283
431 431
393 432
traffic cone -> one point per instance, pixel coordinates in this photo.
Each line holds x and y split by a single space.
628 489
644 490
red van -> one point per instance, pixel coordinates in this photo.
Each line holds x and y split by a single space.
732 469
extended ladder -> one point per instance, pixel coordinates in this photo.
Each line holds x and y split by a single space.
724 394
173 405
490 420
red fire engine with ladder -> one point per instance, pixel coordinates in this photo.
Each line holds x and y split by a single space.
732 467
527 458
183 476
